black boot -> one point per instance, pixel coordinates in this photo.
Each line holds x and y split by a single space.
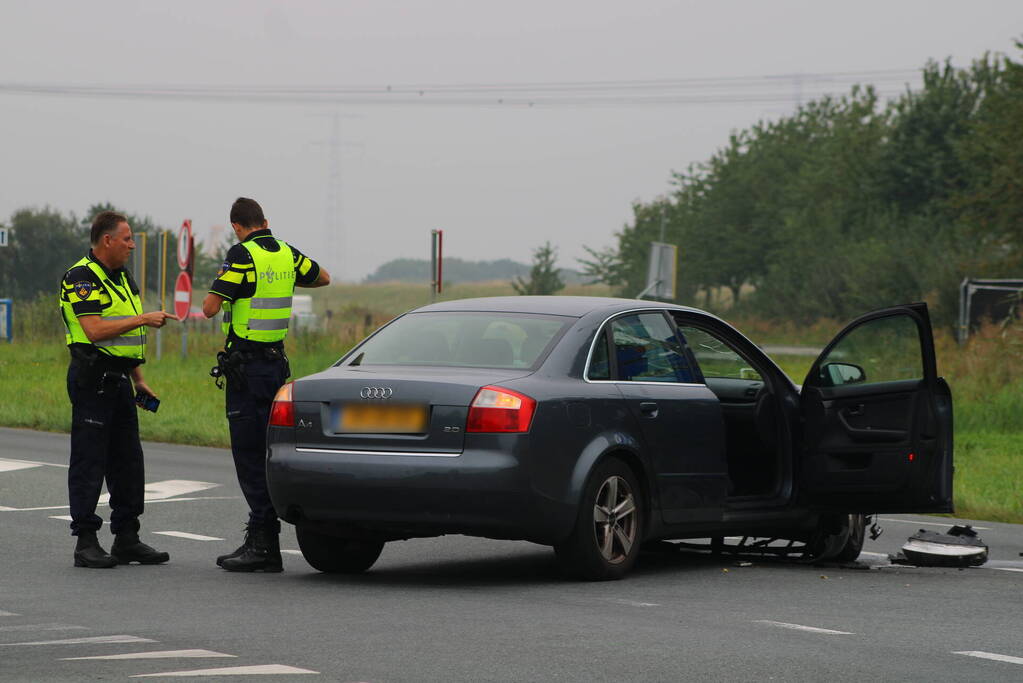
246 543
128 548
89 553
262 555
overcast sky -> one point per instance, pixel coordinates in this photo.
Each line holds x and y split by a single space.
500 179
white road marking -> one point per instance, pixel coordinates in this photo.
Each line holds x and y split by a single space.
8 614
991 655
946 526
266 670
162 654
12 465
634 603
1006 569
67 518
93 640
43 627
292 552
185 534
159 500
800 627
162 490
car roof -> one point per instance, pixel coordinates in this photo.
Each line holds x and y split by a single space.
574 306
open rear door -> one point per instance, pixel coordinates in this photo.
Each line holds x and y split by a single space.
878 419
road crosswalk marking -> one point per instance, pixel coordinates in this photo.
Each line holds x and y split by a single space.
160 654
265 669
8 614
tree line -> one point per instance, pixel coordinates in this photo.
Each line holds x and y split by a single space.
848 204
44 243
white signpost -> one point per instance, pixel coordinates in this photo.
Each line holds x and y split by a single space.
661 274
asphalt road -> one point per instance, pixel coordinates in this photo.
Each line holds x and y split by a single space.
463 609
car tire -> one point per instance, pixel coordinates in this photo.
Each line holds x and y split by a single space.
333 555
854 544
608 532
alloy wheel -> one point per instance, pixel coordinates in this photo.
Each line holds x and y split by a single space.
615 519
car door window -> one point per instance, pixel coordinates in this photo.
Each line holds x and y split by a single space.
648 350
716 357
882 350
600 366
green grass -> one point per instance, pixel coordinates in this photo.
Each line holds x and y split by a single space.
33 378
986 377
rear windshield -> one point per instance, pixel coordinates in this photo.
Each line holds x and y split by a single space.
484 340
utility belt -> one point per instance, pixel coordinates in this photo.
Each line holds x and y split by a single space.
98 372
231 364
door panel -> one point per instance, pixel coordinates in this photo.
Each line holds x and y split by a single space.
679 417
877 437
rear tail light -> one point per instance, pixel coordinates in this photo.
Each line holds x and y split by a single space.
496 409
282 413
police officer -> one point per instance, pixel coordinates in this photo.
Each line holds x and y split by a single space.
106 335
254 288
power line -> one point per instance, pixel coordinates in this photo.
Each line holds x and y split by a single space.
769 89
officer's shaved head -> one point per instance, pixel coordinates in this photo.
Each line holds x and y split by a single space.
104 223
247 213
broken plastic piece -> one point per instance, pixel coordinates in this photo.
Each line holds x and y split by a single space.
960 547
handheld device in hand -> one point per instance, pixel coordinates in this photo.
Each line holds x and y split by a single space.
147 401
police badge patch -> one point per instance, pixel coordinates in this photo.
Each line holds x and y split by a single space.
83 289
224 267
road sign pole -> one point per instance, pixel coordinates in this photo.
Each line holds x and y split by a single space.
163 289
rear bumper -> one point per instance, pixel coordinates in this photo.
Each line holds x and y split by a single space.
479 492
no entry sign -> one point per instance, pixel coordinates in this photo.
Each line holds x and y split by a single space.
182 296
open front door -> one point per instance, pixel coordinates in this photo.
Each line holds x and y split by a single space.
878 419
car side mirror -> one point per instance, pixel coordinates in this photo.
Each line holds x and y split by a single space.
840 374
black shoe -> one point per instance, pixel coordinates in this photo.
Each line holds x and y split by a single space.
89 553
128 548
262 555
237 551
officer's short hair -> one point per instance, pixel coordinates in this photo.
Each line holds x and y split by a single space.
105 222
247 213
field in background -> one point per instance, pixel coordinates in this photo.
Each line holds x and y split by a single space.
986 377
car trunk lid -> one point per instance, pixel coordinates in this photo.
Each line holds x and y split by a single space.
389 409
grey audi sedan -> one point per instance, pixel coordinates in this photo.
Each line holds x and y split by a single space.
598 425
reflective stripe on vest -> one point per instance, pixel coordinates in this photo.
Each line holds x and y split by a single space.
264 317
124 304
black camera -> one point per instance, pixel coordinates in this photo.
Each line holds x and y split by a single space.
147 401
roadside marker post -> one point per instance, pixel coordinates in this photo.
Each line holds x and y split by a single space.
436 263
7 319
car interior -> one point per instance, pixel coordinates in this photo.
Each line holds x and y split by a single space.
750 410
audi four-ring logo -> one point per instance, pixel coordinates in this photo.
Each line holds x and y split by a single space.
376 392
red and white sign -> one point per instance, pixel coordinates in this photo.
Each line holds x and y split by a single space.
185 244
182 296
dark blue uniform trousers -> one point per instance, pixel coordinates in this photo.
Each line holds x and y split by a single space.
104 444
248 411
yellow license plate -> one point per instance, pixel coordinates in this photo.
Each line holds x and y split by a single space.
374 418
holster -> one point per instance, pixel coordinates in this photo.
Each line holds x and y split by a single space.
95 371
231 365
